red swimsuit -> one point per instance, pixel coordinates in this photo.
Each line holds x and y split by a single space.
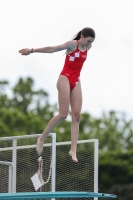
73 65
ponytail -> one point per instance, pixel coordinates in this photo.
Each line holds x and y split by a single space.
77 36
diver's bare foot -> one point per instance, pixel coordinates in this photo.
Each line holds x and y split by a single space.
39 146
73 155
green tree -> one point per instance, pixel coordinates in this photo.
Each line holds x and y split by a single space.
4 100
112 130
116 173
25 97
28 111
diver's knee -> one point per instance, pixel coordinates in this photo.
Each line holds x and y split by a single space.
76 116
63 116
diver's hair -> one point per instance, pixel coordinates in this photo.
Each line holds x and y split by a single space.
86 32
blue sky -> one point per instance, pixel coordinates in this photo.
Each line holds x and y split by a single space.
107 75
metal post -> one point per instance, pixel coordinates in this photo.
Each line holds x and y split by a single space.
53 163
14 161
96 167
10 179
10 167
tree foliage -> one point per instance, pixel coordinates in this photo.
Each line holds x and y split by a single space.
112 129
116 174
28 111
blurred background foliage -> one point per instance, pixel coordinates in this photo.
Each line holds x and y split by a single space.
24 110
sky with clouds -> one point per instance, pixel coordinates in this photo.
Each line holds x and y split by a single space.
107 74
